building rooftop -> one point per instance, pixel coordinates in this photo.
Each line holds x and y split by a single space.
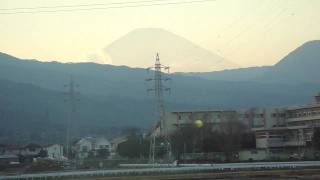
306 106
204 110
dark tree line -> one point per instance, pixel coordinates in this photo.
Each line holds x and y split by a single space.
316 139
228 137
136 146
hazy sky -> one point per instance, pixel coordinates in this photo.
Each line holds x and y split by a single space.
247 32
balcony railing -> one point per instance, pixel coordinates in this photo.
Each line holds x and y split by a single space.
283 143
303 118
294 143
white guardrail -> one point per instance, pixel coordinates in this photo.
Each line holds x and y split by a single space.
164 168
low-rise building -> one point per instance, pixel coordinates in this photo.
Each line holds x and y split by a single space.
8 159
82 148
10 149
89 145
30 150
55 151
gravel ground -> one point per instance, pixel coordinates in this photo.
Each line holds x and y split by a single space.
260 175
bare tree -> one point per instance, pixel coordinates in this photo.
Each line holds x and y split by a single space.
232 131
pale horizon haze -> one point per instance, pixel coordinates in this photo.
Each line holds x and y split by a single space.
246 32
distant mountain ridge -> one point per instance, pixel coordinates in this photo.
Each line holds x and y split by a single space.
241 74
299 66
98 81
31 93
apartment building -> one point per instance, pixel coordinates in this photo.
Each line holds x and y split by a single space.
280 132
256 119
212 117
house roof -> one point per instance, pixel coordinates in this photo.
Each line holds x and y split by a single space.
49 145
92 139
10 146
32 145
204 110
119 139
7 156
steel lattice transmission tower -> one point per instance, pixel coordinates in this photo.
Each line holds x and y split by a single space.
71 98
158 90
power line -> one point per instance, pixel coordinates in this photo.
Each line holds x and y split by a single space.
239 19
273 21
79 5
247 28
252 25
106 8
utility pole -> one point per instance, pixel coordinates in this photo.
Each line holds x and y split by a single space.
158 89
71 98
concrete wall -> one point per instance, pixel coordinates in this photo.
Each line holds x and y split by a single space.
253 155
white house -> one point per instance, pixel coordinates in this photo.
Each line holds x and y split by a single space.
101 143
83 147
91 145
55 151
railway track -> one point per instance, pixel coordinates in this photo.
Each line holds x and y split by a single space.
183 169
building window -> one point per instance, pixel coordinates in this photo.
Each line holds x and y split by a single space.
260 115
84 148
